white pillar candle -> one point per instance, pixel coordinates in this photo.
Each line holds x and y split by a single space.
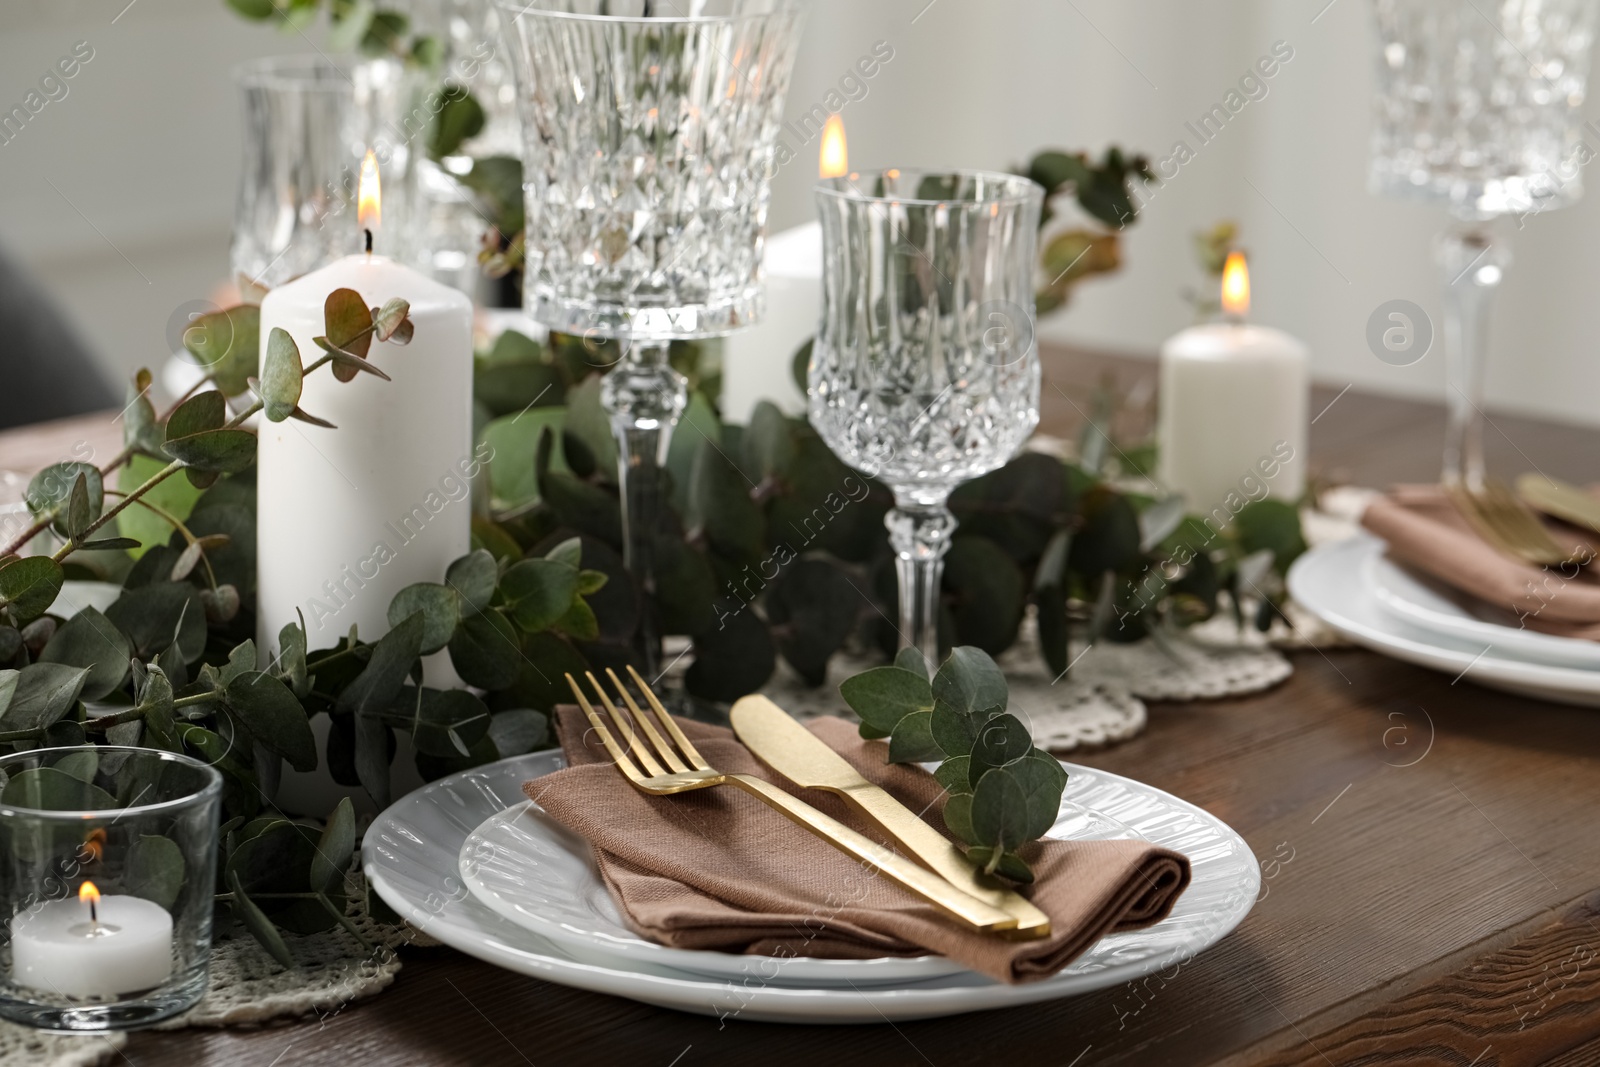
756 363
57 948
1232 411
348 517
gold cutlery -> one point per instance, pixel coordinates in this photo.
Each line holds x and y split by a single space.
664 768
800 756
1507 524
1561 499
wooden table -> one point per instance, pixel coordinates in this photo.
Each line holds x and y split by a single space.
1430 864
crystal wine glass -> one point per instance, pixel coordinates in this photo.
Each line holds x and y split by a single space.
1479 110
649 133
308 122
924 372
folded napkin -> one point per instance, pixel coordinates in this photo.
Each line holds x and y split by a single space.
717 869
1426 532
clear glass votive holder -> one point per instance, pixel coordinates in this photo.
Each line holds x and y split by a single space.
107 872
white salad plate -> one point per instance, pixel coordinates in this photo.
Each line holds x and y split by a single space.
1430 605
1334 582
411 856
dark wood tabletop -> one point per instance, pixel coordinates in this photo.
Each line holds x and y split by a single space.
1429 850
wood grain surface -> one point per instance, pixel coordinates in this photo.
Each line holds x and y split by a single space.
1430 864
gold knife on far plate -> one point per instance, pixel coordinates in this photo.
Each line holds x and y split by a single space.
1560 499
800 756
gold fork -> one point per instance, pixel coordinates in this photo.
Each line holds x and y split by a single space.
1555 497
664 768
1507 523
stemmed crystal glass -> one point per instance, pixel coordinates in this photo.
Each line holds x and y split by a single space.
649 132
924 372
1479 110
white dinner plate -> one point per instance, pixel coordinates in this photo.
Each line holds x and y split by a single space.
1430 605
531 870
1332 582
411 853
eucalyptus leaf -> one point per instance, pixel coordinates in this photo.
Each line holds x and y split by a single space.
999 740
448 722
999 810
473 577
89 639
911 740
484 650
44 693
50 491
200 413
518 730
256 921
227 345
334 849
274 717
155 869
883 696
912 659
347 324
953 774
52 789
958 817
387 319
28 586
281 375
215 451
969 681
1042 779
150 616
440 608
81 765
538 592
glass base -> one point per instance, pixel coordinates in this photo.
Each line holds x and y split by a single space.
60 1016
644 325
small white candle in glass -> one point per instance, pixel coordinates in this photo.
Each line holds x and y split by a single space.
93 946
1232 422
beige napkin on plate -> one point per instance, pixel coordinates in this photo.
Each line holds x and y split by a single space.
717 869
1424 531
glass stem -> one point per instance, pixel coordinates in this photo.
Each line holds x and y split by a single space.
1473 263
643 396
920 533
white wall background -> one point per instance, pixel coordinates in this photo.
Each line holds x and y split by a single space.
120 195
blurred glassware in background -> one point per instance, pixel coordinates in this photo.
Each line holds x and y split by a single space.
453 214
925 373
1479 110
308 122
648 147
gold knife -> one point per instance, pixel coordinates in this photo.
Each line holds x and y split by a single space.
1560 499
800 756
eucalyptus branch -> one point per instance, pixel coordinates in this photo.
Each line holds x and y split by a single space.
150 483
44 521
344 921
177 524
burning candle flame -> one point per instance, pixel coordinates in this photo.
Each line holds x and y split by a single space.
369 194
1235 286
90 895
834 159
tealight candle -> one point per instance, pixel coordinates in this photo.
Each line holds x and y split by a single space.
92 947
1232 421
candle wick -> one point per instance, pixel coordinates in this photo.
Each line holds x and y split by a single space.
94 914
369 240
